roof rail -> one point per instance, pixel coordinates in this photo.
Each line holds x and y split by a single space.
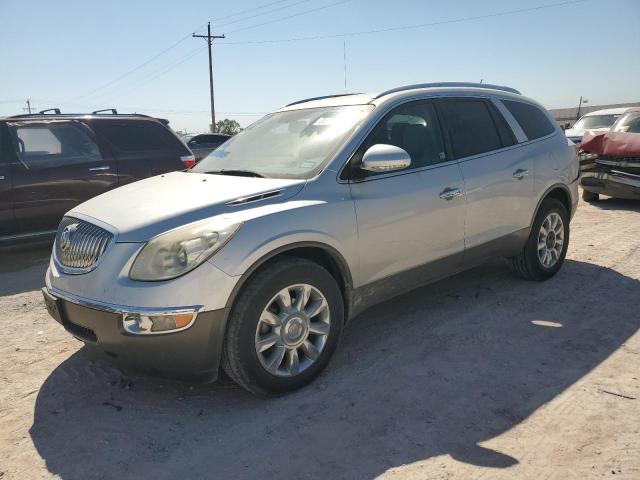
448 84
54 110
321 98
112 110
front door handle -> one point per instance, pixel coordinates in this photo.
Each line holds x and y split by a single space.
520 173
103 168
449 193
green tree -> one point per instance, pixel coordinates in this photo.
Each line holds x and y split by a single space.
228 127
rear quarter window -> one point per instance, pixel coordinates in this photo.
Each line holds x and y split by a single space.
533 121
138 136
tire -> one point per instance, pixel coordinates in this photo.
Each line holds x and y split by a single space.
529 264
261 298
590 196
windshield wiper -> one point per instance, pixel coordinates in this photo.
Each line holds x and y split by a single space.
237 173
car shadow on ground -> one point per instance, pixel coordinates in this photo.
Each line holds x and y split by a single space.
30 259
436 371
608 203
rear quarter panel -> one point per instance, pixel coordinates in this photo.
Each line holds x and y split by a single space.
557 165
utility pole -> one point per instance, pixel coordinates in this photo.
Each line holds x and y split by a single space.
209 38
579 106
28 109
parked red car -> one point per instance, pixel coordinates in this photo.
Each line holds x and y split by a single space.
610 162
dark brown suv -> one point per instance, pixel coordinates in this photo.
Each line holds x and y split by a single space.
49 163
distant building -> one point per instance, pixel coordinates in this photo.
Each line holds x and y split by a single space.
568 115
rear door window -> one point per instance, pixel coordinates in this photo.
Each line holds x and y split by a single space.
41 145
532 119
137 136
471 127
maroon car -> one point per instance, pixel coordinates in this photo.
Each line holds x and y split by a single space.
49 163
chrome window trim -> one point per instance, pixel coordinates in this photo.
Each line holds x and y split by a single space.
368 127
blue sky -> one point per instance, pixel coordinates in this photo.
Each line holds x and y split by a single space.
71 53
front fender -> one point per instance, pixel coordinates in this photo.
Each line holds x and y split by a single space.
302 222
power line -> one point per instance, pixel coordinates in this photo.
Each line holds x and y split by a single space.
251 9
262 13
138 67
172 66
406 27
288 17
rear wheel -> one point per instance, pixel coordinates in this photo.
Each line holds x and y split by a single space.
590 196
284 327
546 247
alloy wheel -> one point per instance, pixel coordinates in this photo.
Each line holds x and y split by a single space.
292 330
550 240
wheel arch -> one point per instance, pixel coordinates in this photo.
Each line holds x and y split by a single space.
317 252
558 191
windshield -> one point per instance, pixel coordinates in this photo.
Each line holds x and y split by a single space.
596 121
629 123
292 144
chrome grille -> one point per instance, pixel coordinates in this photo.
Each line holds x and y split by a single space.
79 245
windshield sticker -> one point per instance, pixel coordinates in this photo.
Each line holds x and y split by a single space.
325 121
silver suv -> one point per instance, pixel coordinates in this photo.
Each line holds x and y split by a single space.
256 258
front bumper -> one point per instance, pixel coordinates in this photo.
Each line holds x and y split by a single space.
191 353
614 177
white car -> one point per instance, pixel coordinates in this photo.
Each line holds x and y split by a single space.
598 121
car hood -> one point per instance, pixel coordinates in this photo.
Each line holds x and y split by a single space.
140 210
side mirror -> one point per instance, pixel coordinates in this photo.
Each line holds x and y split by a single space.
385 158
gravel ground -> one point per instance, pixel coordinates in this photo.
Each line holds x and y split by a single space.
478 376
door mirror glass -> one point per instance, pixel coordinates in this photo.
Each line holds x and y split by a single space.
385 158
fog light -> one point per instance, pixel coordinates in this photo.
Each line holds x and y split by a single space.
161 323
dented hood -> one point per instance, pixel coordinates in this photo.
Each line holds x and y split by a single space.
141 210
614 144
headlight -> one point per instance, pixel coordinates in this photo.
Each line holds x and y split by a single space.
179 251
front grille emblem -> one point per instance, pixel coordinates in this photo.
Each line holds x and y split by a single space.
79 245
66 237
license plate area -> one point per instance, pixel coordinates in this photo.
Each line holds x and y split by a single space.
53 306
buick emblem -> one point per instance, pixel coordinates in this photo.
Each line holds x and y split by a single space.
66 236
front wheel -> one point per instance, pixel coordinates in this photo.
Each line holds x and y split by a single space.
546 247
284 327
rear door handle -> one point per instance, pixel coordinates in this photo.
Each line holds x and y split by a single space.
449 193
103 168
520 173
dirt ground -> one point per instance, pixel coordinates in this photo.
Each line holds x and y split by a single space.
479 376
